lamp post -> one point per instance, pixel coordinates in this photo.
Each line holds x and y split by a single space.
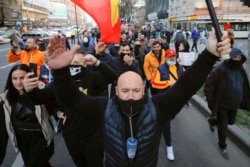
28 19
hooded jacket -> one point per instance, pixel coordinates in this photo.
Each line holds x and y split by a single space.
224 85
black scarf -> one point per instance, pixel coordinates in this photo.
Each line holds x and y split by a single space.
131 107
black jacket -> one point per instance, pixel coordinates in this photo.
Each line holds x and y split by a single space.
224 87
80 135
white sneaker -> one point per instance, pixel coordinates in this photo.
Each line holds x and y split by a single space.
170 153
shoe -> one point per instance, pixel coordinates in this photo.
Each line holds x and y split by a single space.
224 154
211 123
170 153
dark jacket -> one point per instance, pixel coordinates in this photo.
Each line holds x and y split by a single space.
119 67
166 106
224 87
88 48
80 135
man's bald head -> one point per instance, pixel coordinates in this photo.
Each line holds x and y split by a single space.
130 86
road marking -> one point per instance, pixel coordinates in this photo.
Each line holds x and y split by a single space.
8 65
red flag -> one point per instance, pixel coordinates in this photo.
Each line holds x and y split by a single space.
106 15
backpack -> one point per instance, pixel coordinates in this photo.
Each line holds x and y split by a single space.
179 37
159 27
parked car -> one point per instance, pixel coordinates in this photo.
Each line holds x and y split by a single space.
67 32
42 38
4 40
54 31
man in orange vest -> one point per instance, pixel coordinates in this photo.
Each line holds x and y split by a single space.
30 54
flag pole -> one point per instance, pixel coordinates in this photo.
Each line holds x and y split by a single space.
215 23
214 19
77 36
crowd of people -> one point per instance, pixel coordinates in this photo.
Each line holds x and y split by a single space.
120 125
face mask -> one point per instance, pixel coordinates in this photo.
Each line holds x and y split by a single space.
170 62
137 48
117 45
76 71
123 54
85 40
131 107
235 63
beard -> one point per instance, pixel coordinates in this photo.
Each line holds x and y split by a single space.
27 48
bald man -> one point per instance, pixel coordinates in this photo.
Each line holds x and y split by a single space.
130 122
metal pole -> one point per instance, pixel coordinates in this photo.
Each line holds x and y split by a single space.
77 36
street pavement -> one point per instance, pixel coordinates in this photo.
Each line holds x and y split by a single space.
194 146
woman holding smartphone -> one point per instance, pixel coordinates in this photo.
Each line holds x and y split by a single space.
27 125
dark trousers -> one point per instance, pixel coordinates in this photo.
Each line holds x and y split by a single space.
176 45
34 149
224 117
167 133
73 39
87 158
89 153
194 45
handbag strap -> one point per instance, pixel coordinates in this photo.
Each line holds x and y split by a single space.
172 75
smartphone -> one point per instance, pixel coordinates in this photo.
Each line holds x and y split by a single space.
33 68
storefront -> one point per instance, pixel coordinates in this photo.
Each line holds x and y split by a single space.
10 17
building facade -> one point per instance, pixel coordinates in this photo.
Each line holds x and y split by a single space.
34 13
65 14
26 14
10 14
189 13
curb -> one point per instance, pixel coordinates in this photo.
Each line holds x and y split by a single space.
239 137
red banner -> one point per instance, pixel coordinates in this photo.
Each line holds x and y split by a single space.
106 15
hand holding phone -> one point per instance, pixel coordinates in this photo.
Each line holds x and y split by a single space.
33 68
